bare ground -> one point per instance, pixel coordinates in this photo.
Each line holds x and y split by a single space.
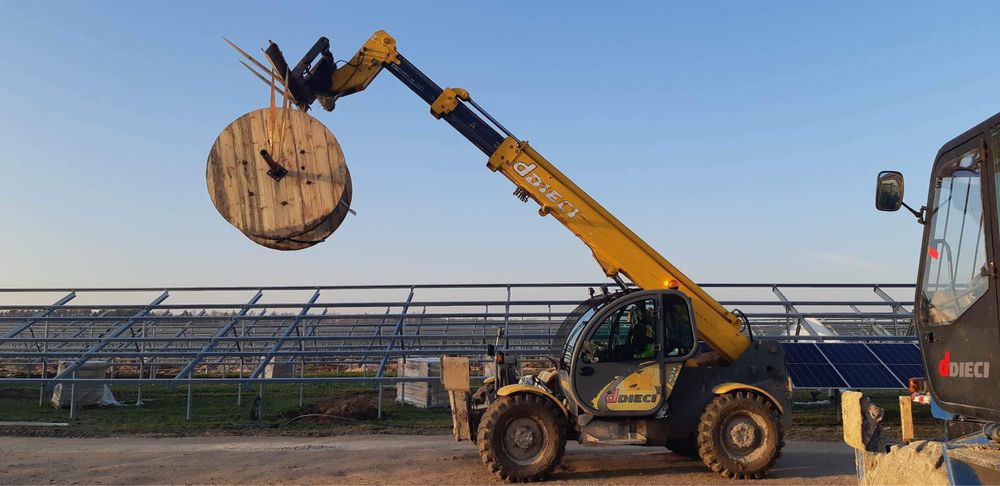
370 459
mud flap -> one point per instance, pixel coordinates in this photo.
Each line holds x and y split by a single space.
455 378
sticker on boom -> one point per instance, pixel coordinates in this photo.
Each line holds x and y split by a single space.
534 180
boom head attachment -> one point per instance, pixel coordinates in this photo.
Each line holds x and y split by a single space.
307 81
317 77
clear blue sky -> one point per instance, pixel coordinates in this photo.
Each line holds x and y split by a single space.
740 139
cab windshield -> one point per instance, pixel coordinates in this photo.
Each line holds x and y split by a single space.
954 276
570 330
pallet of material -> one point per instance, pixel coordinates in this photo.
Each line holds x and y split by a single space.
421 394
86 393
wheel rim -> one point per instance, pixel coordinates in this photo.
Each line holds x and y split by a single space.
741 435
523 440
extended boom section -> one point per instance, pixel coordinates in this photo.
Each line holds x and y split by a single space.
615 247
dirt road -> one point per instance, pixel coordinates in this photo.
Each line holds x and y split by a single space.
371 459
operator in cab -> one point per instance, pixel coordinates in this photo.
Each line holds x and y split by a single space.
641 341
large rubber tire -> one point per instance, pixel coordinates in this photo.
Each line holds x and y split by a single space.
687 447
740 435
522 437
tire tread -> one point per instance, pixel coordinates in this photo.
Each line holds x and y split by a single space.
709 420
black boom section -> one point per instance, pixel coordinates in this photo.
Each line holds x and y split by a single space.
469 124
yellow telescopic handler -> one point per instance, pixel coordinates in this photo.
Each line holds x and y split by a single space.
659 363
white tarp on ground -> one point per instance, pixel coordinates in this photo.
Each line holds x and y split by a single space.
85 393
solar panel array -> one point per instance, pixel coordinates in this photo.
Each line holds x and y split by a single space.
853 365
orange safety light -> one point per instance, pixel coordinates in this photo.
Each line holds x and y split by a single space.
673 284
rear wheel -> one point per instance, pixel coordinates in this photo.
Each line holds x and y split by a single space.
522 437
740 435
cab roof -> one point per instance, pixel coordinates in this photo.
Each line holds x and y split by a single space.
968 134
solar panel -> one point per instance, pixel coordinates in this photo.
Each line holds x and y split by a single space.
802 353
903 360
897 353
852 365
806 375
848 353
869 376
859 366
808 368
905 372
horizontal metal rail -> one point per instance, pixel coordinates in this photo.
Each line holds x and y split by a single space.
243 335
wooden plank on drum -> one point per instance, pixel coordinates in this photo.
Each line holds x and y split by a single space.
321 232
307 198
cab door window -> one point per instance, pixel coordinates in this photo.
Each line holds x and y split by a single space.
955 258
678 337
627 334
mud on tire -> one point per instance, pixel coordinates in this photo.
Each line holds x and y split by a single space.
522 437
740 435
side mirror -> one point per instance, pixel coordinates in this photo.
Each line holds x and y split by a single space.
889 191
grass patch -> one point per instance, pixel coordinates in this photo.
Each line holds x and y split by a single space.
821 421
215 411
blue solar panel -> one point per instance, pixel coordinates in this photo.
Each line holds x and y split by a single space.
897 353
828 365
868 376
806 375
903 360
808 368
906 371
848 354
859 366
802 353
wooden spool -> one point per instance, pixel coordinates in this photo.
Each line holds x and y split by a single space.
300 209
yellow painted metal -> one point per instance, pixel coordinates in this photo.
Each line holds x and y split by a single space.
358 73
448 101
545 375
639 391
615 247
514 389
723 388
672 371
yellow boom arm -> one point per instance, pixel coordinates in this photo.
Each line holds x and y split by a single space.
617 249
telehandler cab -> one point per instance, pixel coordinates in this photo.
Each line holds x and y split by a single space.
661 365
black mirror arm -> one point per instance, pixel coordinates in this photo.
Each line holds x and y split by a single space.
918 214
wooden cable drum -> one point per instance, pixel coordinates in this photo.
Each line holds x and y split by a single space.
301 206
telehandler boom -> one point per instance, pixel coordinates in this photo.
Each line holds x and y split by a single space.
615 247
628 367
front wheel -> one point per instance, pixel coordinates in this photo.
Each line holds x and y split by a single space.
740 435
522 437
